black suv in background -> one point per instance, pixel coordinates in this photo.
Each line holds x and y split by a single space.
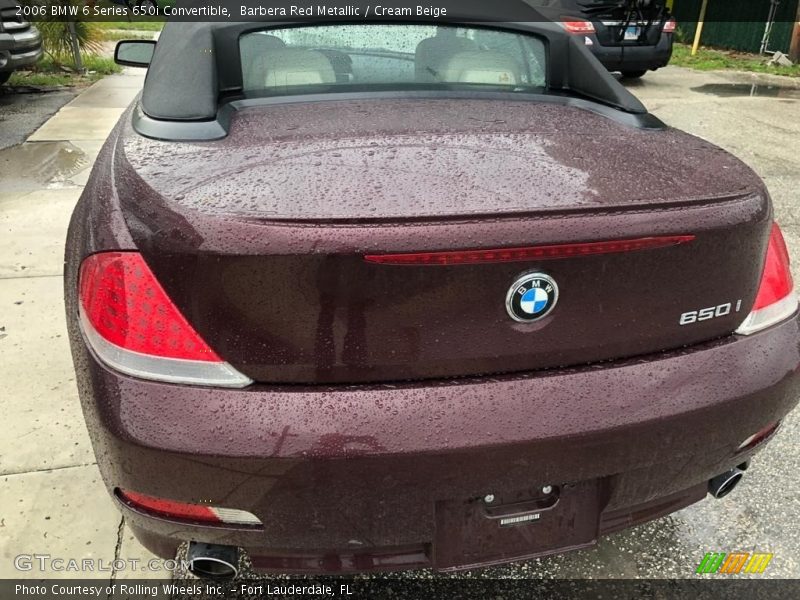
630 36
20 42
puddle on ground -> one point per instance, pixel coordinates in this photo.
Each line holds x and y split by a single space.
8 91
728 90
52 163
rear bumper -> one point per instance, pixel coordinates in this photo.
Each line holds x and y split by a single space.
634 58
370 477
19 50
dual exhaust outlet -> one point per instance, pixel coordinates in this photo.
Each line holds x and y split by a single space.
723 484
214 561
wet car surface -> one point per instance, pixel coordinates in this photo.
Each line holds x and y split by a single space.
131 414
762 513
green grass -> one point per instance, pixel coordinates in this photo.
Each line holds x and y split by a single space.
46 73
113 35
708 59
27 78
132 25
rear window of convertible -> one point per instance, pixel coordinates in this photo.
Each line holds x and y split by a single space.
332 58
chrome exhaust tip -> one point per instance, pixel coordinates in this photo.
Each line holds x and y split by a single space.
213 561
723 484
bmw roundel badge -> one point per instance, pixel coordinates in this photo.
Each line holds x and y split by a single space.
531 297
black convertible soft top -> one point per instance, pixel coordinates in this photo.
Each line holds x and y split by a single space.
195 70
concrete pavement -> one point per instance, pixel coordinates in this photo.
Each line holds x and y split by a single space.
52 500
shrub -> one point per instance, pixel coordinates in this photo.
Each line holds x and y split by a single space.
57 36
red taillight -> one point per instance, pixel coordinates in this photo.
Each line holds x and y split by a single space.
133 325
184 511
171 508
578 26
471 257
670 25
126 305
776 281
776 300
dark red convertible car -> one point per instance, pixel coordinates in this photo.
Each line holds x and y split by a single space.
399 294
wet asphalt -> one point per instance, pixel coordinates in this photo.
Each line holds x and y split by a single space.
24 110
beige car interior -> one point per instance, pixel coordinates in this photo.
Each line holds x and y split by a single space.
445 58
448 58
433 53
482 67
282 67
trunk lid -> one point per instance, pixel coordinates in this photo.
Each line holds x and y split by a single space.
260 238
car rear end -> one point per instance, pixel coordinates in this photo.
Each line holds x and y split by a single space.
632 38
441 472
20 42
302 339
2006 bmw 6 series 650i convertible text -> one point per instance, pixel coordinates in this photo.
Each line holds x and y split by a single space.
392 295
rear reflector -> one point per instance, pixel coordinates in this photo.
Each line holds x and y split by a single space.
183 511
134 327
776 300
758 437
471 257
578 26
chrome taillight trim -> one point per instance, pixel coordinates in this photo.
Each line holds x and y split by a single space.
235 516
761 319
156 368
